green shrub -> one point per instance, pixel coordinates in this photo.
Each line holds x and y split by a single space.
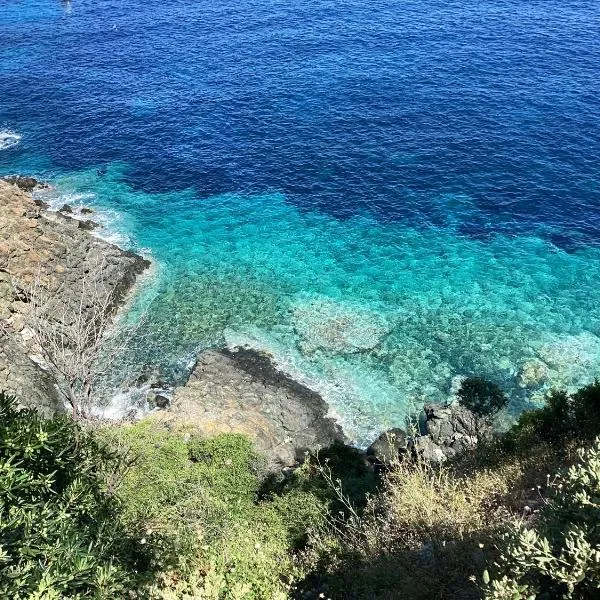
203 507
564 418
61 535
482 397
559 555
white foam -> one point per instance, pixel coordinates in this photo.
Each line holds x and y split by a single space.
9 139
110 231
129 404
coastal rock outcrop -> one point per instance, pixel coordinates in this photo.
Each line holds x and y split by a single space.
389 447
449 429
52 249
25 183
243 392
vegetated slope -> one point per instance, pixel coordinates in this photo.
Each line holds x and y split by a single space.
150 512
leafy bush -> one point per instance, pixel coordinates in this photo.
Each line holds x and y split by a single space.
482 397
203 507
564 418
61 535
559 556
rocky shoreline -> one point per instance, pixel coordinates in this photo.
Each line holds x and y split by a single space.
58 251
228 391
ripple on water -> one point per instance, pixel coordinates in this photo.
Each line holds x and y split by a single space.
377 317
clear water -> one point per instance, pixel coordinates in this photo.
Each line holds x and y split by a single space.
385 195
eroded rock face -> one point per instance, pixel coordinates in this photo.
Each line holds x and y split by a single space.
243 392
22 377
27 184
452 428
37 244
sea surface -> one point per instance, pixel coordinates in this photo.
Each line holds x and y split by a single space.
386 196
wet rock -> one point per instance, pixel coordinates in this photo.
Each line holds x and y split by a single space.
87 225
27 184
243 392
87 211
67 209
157 400
388 448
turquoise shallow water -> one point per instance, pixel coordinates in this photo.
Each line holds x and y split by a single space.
379 317
386 196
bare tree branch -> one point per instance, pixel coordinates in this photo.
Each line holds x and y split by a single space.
75 334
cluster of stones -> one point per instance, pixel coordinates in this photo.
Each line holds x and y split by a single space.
449 429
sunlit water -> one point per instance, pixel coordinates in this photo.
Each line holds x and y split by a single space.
385 196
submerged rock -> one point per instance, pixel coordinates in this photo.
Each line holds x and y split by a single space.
243 392
571 351
533 372
326 324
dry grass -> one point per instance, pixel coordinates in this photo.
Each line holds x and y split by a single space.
428 533
431 532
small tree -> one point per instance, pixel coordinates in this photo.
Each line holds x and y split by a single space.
75 334
483 398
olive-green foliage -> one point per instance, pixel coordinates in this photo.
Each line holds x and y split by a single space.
482 397
428 532
203 507
559 555
563 418
61 535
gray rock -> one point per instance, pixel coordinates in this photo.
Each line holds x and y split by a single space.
34 241
25 379
157 400
425 449
244 392
27 184
388 448
87 225
452 428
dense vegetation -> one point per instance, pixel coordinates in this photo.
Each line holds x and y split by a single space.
149 512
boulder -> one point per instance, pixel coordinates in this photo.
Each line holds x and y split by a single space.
388 448
27 184
424 448
453 428
157 400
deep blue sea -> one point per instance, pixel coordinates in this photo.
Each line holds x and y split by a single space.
385 195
